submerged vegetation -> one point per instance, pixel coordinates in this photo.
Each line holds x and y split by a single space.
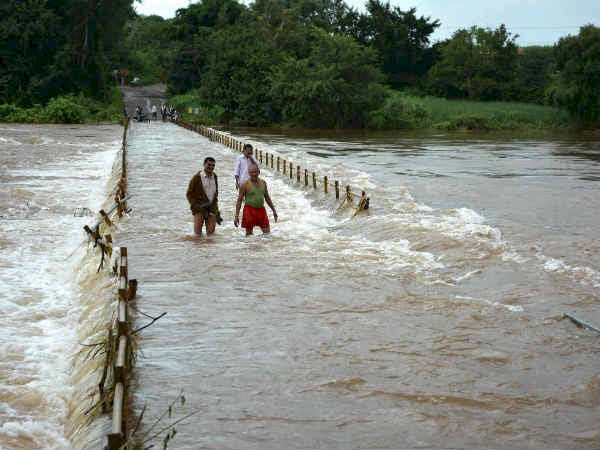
311 63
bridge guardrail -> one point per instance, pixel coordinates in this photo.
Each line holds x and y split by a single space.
285 167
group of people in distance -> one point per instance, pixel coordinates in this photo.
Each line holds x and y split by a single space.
203 191
166 113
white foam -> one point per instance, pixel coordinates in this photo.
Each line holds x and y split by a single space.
467 275
584 274
39 311
511 308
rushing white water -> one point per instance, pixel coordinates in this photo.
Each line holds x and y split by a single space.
47 172
432 320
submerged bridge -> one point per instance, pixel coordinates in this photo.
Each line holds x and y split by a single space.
329 332
221 299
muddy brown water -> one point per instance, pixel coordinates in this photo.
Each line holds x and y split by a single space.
432 321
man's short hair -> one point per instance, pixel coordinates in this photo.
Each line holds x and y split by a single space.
247 146
209 158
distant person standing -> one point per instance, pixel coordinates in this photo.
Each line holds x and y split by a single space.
254 193
202 194
241 166
154 112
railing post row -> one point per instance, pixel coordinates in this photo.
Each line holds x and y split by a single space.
238 145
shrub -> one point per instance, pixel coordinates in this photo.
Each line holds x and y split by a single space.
65 109
15 114
399 112
7 111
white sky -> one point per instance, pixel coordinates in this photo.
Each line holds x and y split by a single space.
537 22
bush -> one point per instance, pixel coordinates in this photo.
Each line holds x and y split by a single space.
468 122
400 112
65 109
8 112
15 114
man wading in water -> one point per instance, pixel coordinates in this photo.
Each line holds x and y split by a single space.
241 166
255 193
202 194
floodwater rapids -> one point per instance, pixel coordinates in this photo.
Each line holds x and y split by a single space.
433 320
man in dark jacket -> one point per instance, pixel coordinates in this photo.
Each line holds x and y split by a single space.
202 195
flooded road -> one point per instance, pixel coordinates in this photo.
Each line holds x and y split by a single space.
434 320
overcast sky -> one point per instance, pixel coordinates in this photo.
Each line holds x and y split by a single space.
537 22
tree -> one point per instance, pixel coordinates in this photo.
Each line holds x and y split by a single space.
400 37
30 34
534 73
478 63
148 49
239 62
337 85
52 47
577 83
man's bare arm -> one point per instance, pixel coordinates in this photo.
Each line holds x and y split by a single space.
269 202
238 204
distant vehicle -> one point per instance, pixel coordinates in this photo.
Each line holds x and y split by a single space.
135 80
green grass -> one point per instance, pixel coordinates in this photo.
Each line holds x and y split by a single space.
500 115
408 111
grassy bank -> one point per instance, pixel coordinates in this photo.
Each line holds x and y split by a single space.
67 109
495 115
402 111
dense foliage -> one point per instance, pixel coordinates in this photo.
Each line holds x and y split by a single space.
54 47
577 83
148 49
320 63
66 109
317 63
477 64
401 38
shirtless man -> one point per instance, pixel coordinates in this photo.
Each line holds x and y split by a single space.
254 192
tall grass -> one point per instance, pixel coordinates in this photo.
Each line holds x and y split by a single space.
500 115
402 111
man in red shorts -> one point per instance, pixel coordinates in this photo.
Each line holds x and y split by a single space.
254 193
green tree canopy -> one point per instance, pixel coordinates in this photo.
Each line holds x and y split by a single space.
577 84
534 73
337 85
400 37
478 63
58 46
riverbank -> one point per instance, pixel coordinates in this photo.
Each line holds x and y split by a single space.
475 115
401 111
67 109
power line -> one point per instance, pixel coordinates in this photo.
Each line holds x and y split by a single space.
447 27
